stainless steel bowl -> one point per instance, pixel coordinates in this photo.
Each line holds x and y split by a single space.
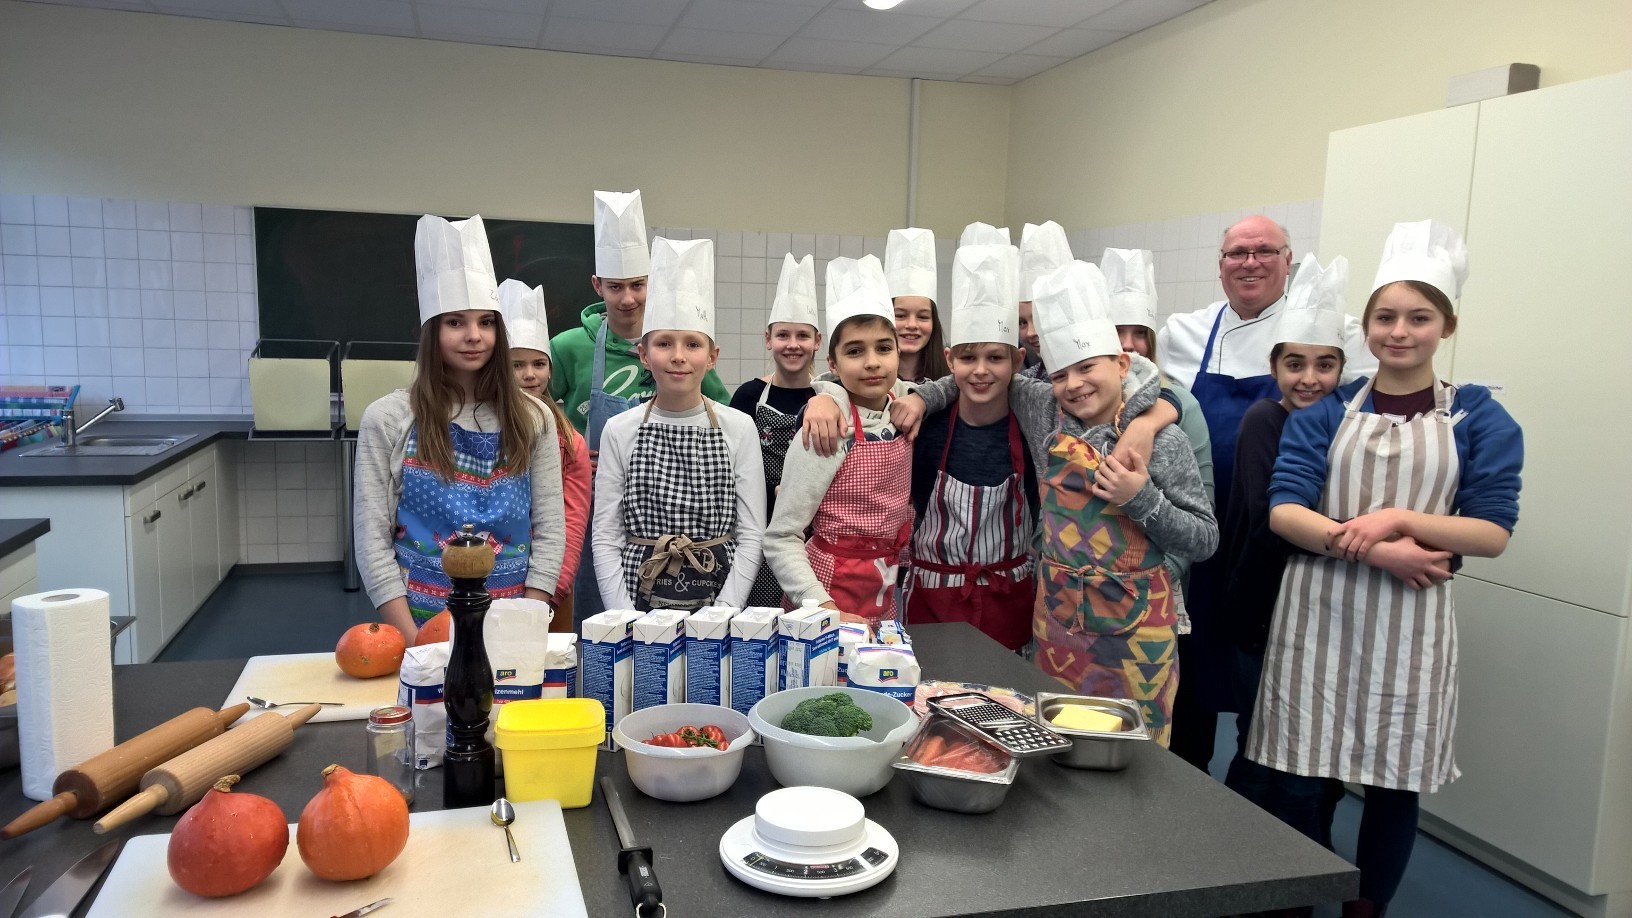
953 788
1093 749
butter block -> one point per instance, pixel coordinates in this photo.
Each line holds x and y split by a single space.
1078 717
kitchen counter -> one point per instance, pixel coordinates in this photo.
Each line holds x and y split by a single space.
19 470
14 534
1159 838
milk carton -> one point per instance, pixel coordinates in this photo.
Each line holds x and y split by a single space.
561 666
850 635
660 658
754 656
708 655
606 663
809 643
889 669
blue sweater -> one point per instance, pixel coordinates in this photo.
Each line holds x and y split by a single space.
1489 445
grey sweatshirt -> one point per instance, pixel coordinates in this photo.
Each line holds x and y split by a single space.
381 444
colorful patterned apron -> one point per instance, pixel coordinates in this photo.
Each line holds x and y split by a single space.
680 513
776 431
1106 616
970 555
861 531
1359 677
431 511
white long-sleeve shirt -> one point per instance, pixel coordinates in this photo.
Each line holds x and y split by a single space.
1243 345
618 445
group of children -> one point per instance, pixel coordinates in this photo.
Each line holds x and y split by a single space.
935 477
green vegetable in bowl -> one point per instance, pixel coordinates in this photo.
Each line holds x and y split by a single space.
829 715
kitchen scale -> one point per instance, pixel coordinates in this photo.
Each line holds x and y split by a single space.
809 841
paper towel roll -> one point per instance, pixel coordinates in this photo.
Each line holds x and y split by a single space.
64 682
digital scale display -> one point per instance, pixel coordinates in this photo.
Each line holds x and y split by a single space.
770 865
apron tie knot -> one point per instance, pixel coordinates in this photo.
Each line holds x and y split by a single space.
669 552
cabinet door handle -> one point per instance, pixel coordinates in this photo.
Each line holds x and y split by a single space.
186 494
201 486
152 517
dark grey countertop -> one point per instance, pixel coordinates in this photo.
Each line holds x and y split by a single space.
1159 838
20 470
14 534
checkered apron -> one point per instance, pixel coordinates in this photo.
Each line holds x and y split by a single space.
431 511
776 430
1359 676
860 534
680 513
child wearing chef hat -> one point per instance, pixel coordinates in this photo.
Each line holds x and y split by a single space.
463 445
527 326
1382 484
973 481
1043 250
680 492
854 503
909 267
792 335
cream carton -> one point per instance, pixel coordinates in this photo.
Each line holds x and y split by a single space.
851 634
708 655
606 652
755 653
660 658
809 643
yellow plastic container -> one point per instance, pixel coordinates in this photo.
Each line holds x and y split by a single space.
549 747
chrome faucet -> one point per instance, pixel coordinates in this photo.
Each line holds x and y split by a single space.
71 431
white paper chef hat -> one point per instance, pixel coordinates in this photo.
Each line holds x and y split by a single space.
1071 308
454 267
525 322
680 291
1130 276
909 262
1427 251
795 293
1313 313
1043 249
620 235
856 287
984 234
985 295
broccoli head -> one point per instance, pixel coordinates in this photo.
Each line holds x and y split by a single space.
833 714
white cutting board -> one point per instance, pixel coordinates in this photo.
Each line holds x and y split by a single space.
311 677
456 863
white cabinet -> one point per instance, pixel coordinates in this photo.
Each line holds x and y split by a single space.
146 589
19 575
198 504
226 507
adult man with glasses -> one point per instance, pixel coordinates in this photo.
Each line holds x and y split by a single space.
1221 353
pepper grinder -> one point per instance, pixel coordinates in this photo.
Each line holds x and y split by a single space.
469 772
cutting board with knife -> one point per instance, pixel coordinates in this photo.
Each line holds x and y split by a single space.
456 863
311 677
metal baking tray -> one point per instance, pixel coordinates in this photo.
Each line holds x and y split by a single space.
1093 749
953 788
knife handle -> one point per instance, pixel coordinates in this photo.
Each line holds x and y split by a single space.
636 866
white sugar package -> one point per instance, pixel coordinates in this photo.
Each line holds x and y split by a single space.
889 669
419 689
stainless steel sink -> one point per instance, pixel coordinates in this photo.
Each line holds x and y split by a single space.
111 445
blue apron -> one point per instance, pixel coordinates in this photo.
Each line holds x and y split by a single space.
1224 400
483 493
586 591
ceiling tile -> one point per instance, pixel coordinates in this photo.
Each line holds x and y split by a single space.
1020 66
223 9
141 5
845 55
565 34
708 43
644 12
867 25
1133 15
1073 42
475 23
939 60
535 7
912 74
746 16
988 80
387 14
1057 13
964 35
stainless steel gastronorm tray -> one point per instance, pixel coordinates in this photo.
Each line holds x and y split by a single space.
1090 748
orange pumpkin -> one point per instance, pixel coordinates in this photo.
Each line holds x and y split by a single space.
370 650
227 843
436 630
354 828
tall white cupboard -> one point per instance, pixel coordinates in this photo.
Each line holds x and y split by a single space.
1541 184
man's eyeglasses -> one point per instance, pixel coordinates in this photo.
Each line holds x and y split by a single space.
1240 256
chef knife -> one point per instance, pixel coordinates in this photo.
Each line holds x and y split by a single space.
634 861
61 898
360 912
13 893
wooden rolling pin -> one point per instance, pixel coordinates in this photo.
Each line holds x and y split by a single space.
182 781
103 780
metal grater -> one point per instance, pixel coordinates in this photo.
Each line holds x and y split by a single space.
1015 733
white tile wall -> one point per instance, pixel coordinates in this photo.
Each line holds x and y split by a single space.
289 502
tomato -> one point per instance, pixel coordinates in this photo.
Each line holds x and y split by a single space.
717 735
672 740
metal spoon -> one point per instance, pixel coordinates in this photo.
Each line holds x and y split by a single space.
503 814
269 705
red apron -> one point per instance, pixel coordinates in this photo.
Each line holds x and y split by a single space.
861 531
970 559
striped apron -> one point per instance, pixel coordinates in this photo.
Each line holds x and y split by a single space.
1359 676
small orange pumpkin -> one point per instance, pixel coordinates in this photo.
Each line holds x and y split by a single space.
355 826
436 630
227 843
370 650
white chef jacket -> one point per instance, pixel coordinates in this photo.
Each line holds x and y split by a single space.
1243 345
